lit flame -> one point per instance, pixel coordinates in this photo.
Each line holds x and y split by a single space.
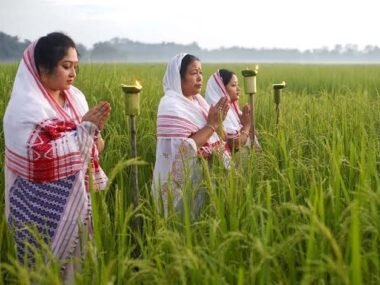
138 84
257 67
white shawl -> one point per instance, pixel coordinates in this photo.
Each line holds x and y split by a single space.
214 91
39 139
178 118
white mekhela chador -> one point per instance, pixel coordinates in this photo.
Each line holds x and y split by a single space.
215 90
177 155
47 153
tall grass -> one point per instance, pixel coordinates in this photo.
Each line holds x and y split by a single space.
304 210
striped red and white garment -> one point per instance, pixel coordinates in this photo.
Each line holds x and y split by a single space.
46 144
178 119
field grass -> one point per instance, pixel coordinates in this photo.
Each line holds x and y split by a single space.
305 210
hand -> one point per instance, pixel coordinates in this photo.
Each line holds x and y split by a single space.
245 118
98 114
218 113
99 142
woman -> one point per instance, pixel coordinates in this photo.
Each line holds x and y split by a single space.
186 128
237 125
50 138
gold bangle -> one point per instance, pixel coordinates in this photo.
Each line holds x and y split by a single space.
211 127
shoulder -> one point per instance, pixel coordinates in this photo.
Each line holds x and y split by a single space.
78 96
77 93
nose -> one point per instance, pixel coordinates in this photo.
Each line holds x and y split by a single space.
73 72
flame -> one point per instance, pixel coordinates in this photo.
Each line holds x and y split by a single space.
138 84
257 67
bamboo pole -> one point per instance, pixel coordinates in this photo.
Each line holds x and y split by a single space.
135 181
277 89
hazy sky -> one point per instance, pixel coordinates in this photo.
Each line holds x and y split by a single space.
300 24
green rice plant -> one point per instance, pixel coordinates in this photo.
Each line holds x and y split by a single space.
304 210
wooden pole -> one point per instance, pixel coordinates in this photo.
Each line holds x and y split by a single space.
137 222
252 107
278 114
135 182
277 88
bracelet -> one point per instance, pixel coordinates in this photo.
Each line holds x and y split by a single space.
244 132
211 127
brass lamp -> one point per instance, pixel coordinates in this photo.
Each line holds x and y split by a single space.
132 109
277 90
250 89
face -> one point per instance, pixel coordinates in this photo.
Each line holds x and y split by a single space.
233 88
192 83
63 74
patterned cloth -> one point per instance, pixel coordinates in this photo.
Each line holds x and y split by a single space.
232 125
40 205
47 153
215 90
176 154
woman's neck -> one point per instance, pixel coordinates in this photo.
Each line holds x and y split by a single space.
58 96
189 97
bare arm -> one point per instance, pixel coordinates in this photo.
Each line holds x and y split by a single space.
99 141
241 140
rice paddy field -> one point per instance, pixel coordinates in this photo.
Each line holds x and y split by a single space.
304 210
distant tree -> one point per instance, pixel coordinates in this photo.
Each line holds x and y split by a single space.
11 48
82 50
106 51
126 50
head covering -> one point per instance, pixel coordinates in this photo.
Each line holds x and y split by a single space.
214 91
179 116
35 126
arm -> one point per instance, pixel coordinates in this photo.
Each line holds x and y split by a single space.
99 141
202 136
241 140
244 132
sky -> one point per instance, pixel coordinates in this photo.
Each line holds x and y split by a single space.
299 24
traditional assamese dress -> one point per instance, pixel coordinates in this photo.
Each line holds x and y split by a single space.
178 119
47 153
215 90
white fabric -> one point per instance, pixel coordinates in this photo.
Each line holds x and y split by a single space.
178 118
215 90
30 110
28 107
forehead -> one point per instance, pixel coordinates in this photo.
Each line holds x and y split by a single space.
234 78
195 64
71 55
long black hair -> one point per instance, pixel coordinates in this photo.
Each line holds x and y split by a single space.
226 75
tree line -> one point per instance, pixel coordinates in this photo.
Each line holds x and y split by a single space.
126 50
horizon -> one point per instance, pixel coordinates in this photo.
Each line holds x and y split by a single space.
245 24
348 45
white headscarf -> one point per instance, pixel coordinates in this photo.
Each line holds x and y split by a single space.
214 91
35 126
46 143
178 118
